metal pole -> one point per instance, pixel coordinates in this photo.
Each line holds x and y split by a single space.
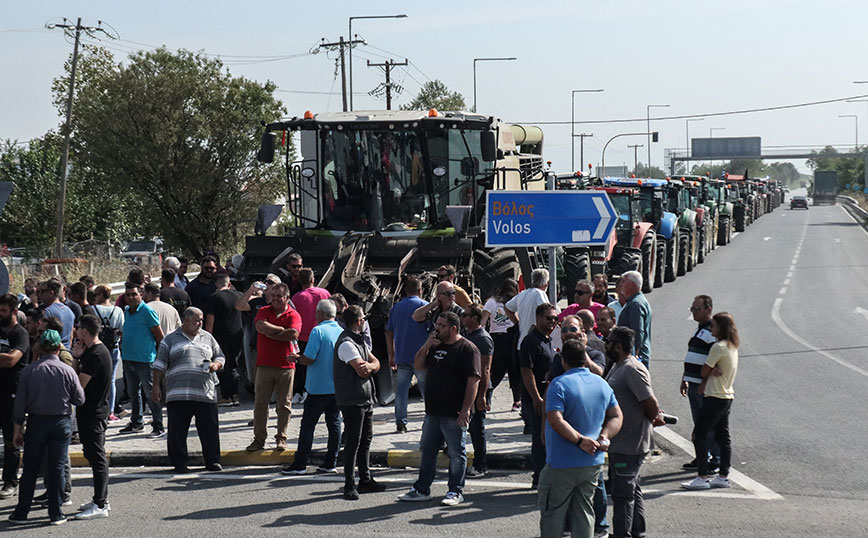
648 118
553 266
602 168
687 134
350 39
344 72
64 159
573 129
474 72
710 137
474 85
635 155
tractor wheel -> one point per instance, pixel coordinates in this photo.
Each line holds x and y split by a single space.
691 252
577 266
649 255
703 243
671 259
660 271
723 232
683 254
740 219
490 271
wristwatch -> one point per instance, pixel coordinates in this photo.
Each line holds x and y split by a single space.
579 442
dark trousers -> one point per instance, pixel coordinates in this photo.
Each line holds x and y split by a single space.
45 436
316 406
358 432
504 361
228 375
476 429
300 372
137 375
180 415
11 454
695 400
91 431
714 416
628 510
537 449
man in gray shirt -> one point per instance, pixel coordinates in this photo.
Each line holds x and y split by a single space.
46 391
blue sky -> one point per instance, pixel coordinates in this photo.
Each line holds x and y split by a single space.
698 57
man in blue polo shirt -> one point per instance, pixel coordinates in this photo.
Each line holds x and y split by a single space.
404 337
581 416
141 337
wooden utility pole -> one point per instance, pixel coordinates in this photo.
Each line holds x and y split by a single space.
388 87
340 45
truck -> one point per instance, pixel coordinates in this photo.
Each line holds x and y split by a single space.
825 187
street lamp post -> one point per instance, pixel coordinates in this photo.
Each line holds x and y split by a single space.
511 58
687 135
573 127
710 136
350 39
857 101
602 168
856 123
648 116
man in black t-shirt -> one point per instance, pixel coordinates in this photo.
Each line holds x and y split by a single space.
453 370
14 354
171 294
223 321
201 287
476 333
95 375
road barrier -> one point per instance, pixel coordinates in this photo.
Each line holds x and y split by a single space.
853 207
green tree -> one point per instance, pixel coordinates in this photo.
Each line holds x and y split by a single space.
851 171
179 134
642 170
435 94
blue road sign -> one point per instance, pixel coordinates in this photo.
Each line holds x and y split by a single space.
548 218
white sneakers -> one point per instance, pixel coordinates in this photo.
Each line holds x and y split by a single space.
452 498
92 511
699 483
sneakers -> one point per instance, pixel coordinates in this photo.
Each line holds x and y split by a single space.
181 469
213 467
325 469
255 446
472 472
698 483
15 520
516 406
296 399
59 521
132 428
690 465
157 433
224 402
8 491
351 493
294 469
112 417
302 399
401 428
370 486
87 505
414 495
452 498
280 445
719 482
93 512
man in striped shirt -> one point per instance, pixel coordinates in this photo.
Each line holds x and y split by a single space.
697 352
188 358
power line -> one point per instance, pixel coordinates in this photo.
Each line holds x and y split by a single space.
707 115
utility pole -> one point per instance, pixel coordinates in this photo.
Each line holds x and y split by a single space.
340 45
388 86
582 149
635 156
64 159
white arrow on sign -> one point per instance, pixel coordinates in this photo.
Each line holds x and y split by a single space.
862 312
604 218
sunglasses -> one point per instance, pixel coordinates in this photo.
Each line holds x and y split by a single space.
450 293
565 330
695 309
442 276
551 318
296 266
581 292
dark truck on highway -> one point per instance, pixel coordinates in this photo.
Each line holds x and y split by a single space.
825 187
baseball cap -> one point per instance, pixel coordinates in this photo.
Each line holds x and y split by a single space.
50 338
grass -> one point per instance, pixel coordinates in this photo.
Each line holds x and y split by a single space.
103 271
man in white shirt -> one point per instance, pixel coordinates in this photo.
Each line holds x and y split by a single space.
521 309
168 314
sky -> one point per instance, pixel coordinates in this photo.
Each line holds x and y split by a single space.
698 57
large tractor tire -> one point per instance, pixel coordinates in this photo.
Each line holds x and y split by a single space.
660 270
577 266
491 268
671 264
649 257
703 243
740 214
683 253
723 232
692 248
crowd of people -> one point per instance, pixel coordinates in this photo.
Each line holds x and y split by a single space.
579 378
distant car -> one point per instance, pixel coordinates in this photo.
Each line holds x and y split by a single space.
798 201
143 251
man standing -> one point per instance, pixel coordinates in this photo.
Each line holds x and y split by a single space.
320 386
173 264
141 336
354 366
201 288
404 337
636 314
14 355
582 415
224 322
95 376
290 274
601 289
476 333
188 358
697 353
606 320
443 302
521 309
258 294
588 322
305 302
49 295
277 326
167 314
447 273
453 372
46 391
535 358
583 295
631 382
171 294
77 294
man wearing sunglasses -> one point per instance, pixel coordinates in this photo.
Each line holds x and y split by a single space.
201 288
447 273
444 301
583 297
294 265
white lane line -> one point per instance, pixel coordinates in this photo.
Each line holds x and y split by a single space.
793 267
776 317
789 275
758 490
766 238
783 291
787 282
837 240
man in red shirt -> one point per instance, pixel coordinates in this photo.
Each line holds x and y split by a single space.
277 327
305 302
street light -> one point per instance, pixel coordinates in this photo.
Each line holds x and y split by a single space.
687 135
511 58
602 168
710 136
350 39
857 100
856 123
648 115
573 130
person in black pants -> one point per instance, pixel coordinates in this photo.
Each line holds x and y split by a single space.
14 355
95 375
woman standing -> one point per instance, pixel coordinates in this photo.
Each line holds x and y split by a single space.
504 333
718 374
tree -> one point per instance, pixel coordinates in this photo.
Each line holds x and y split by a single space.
851 171
435 94
179 134
643 170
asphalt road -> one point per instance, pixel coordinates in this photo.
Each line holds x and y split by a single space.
796 285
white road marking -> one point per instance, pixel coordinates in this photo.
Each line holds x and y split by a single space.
766 238
757 490
793 267
783 291
790 274
859 310
787 282
776 317
837 240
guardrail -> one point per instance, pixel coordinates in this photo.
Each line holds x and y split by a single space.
118 287
853 206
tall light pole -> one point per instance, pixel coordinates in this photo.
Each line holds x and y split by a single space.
857 100
648 116
856 123
573 127
511 58
350 39
710 136
635 155
687 136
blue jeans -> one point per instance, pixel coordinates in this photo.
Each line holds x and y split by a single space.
45 437
476 429
405 378
314 407
136 375
600 505
113 389
434 430
695 406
